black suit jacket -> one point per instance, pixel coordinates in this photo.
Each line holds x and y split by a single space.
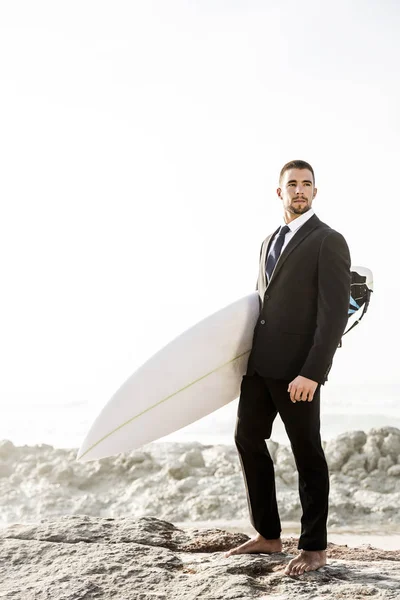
304 309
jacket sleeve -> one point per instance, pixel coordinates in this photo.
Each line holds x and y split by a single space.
333 304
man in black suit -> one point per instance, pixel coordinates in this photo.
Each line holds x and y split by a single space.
304 288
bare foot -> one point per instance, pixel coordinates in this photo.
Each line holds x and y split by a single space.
307 560
257 544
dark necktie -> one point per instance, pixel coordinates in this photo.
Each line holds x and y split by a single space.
276 251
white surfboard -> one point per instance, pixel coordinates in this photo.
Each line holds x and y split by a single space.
194 375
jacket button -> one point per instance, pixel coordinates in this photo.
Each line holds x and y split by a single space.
262 322
266 297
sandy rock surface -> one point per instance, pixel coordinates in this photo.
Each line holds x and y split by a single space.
193 482
84 558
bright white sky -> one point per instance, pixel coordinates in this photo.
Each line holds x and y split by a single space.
141 144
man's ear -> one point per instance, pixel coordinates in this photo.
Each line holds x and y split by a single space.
279 192
315 192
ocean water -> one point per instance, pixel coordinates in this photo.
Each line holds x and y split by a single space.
64 425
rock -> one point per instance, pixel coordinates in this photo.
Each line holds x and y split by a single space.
356 439
202 508
285 466
5 470
146 559
6 448
391 446
183 481
372 453
385 431
339 450
272 448
384 463
139 457
394 471
193 458
356 463
342 505
178 470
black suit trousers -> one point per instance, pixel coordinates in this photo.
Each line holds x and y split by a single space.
261 399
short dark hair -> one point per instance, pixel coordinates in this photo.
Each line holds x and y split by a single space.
296 164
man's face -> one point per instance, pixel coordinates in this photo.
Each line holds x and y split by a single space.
297 192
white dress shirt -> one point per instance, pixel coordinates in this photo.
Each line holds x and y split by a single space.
293 226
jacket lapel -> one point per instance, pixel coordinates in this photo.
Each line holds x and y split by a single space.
262 276
298 237
268 241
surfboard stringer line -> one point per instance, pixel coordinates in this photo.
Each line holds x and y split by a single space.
160 402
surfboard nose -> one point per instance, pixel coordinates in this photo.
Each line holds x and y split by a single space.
194 375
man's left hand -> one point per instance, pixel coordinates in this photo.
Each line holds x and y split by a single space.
302 388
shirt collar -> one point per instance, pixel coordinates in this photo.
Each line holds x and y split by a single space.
296 223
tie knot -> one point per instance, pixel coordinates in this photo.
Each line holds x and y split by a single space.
284 231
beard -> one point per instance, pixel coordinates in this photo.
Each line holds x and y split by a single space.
299 210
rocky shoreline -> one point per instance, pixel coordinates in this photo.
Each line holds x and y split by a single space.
81 557
192 482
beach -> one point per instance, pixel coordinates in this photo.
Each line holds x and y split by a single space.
81 557
156 522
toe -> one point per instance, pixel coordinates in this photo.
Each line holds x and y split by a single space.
300 569
288 570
